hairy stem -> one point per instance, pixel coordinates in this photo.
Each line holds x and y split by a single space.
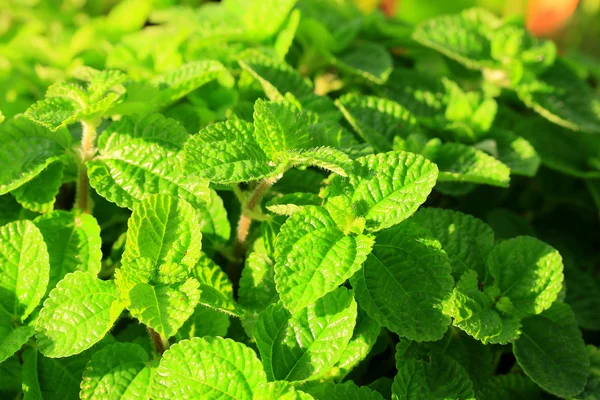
243 227
160 343
86 152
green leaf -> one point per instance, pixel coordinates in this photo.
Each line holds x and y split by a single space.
592 388
290 203
308 343
389 187
304 276
10 210
511 386
326 158
516 153
27 150
177 83
216 290
204 322
69 102
279 126
73 242
370 61
80 310
560 149
24 268
140 157
552 352
276 78
164 308
214 224
55 378
257 287
466 239
582 296
528 273
442 378
285 38
561 97
39 194
208 368
342 391
363 339
227 152
12 338
117 371
10 371
404 282
460 163
279 390
376 120
165 230
261 19
474 312
463 37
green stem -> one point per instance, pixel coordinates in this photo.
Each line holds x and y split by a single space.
86 152
161 344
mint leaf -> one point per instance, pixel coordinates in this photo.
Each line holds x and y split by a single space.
12 338
528 274
39 194
214 224
560 149
227 152
73 242
215 287
165 230
139 156
177 83
363 339
279 127
208 368
592 387
516 153
204 322
474 312
96 305
275 77
164 308
561 97
376 120
27 150
461 163
303 278
512 386
285 38
261 19
279 390
24 268
322 157
257 287
442 378
466 239
290 203
552 352
118 371
317 333
368 60
69 102
404 281
387 188
343 391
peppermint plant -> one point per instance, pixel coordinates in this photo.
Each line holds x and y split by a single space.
262 200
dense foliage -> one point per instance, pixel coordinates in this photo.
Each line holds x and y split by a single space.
281 199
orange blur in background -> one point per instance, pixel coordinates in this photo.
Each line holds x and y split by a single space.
546 17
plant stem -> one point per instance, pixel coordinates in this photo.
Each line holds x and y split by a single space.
160 343
86 152
243 227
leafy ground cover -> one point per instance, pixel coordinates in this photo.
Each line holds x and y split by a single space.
280 199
